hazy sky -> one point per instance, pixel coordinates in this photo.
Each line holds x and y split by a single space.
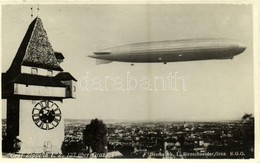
214 89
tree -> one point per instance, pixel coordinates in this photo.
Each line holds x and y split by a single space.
71 147
95 136
248 118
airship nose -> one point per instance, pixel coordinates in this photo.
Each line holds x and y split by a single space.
92 56
241 47
100 55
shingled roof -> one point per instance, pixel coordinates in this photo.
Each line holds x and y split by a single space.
35 49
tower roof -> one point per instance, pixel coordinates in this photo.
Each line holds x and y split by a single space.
35 49
63 76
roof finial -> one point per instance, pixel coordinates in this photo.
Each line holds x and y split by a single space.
31 12
38 10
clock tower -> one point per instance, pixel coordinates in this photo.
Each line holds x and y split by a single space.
35 86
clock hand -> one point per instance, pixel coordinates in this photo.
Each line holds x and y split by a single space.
48 112
44 111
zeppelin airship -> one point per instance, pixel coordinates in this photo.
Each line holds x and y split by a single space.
171 51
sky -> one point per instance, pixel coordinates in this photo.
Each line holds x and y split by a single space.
205 90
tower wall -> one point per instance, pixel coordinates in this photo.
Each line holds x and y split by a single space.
12 129
35 139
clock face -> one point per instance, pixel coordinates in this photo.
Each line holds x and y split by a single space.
46 115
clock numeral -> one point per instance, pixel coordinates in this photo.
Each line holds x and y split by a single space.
57 115
56 109
47 103
51 104
40 124
40 103
36 115
36 108
43 125
37 120
56 120
53 124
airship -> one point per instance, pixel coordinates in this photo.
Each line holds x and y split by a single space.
171 51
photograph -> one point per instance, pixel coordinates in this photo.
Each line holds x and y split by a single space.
128 81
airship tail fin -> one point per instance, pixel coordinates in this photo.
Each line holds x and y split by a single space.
102 61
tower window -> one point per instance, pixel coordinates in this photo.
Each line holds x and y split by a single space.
34 71
15 88
49 73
